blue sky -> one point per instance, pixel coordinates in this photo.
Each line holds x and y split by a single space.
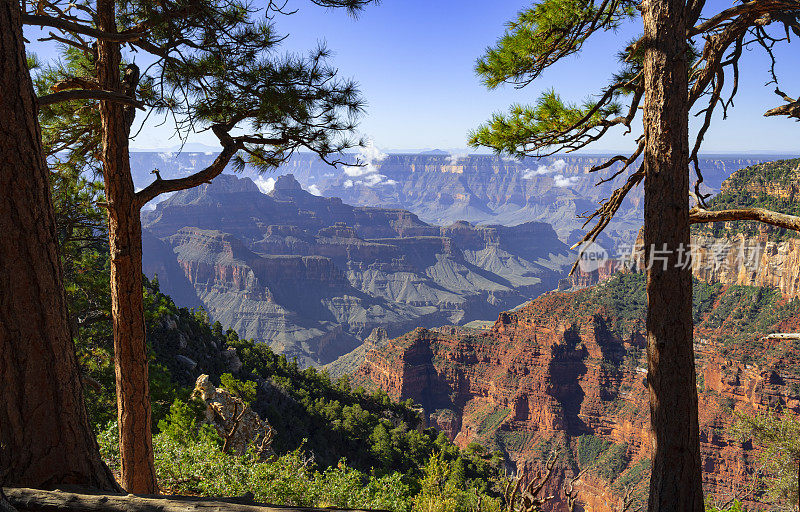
414 61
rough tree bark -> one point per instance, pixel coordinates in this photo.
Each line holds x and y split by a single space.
124 237
45 437
675 483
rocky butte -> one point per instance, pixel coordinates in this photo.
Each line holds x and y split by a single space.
313 276
744 253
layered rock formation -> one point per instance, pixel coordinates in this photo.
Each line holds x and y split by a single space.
487 188
567 371
747 260
313 276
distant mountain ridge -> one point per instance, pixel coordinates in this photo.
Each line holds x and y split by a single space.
481 189
313 276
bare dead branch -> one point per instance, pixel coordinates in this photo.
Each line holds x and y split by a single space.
755 7
607 210
792 109
230 431
570 494
781 220
526 498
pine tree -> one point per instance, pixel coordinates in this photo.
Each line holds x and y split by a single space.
680 63
45 438
215 68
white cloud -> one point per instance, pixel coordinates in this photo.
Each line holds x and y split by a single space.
370 180
529 174
265 185
562 181
357 172
454 158
367 171
370 153
315 190
557 166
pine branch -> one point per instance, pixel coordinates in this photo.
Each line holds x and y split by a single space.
160 186
73 27
81 94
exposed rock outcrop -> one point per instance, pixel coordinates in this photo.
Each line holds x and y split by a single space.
238 425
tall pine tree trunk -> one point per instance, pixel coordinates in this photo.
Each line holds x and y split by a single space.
125 244
45 437
675 483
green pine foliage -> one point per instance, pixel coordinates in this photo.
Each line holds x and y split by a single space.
445 488
189 460
212 65
736 506
590 448
539 37
545 33
338 446
334 420
243 390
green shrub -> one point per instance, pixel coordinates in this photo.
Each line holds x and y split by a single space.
590 448
778 436
445 488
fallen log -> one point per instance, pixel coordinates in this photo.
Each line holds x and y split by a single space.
35 500
782 336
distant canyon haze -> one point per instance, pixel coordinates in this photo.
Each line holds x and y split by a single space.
312 258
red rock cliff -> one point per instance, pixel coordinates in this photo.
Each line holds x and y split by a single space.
568 370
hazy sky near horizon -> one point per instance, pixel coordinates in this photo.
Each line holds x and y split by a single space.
414 61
